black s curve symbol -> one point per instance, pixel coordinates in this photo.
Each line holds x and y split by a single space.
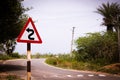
31 31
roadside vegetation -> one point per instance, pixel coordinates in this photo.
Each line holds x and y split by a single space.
45 55
16 55
5 76
96 51
11 56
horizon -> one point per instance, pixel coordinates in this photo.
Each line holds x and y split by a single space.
54 20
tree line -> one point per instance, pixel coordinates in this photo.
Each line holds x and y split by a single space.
103 46
12 19
96 45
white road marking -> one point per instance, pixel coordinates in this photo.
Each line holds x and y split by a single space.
90 75
69 76
101 75
80 75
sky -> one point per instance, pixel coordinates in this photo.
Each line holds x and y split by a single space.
54 20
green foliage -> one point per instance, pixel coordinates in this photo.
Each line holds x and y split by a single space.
82 56
61 61
23 56
10 19
5 76
52 61
4 57
12 77
15 55
12 56
38 55
84 66
110 13
65 57
97 47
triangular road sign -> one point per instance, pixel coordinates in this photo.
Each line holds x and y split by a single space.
29 33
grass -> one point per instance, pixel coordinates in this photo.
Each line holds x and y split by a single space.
72 64
89 66
11 56
5 76
38 55
4 57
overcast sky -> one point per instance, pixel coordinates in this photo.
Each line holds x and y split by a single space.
54 20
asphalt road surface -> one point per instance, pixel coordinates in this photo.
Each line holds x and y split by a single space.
42 71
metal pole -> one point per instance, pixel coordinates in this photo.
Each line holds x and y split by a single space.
72 40
28 61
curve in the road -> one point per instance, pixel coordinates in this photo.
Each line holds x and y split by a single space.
43 71
48 72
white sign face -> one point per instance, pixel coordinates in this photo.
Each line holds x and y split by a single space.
29 33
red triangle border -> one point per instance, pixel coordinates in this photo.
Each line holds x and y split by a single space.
23 30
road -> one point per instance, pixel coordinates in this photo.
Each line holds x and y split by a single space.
42 71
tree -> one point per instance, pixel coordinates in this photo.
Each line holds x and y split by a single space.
12 18
97 47
9 46
109 13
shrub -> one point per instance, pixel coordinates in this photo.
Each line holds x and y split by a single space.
97 47
65 57
11 77
11 56
15 55
4 57
51 60
23 56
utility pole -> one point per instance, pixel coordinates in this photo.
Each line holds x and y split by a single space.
73 28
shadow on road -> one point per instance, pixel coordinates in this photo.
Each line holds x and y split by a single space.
8 67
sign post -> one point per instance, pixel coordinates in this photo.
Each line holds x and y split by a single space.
28 61
29 35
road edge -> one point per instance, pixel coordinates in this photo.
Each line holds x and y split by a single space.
93 72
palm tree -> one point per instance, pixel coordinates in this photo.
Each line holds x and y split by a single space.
111 18
109 13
